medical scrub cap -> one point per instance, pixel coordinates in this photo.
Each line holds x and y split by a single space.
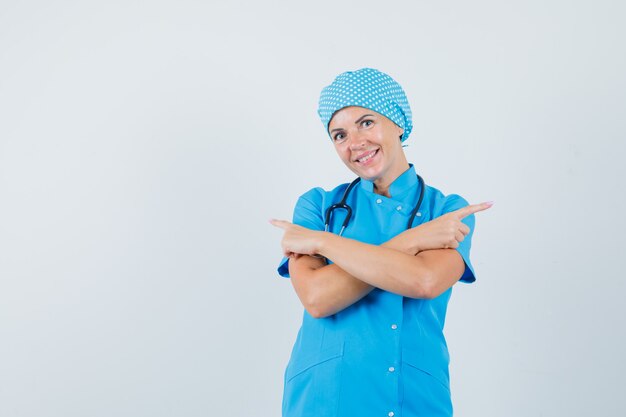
369 88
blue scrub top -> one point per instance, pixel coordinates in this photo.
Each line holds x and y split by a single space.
385 355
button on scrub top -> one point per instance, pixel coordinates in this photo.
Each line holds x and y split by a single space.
386 354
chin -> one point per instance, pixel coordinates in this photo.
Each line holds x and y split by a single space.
369 174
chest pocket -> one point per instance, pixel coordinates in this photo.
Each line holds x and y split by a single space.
313 383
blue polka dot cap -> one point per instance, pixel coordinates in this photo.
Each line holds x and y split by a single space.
369 88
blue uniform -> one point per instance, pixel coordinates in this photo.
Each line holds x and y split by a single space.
386 354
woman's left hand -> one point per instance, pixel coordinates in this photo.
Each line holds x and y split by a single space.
446 231
298 240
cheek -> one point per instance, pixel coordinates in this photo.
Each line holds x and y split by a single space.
379 136
342 151
345 157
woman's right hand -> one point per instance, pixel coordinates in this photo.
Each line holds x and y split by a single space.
444 232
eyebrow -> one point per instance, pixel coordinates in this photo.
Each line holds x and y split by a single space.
356 122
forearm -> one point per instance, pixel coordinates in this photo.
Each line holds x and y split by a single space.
397 271
334 289
419 263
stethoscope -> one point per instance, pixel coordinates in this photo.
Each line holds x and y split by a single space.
343 205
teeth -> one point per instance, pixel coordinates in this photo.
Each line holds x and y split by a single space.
367 158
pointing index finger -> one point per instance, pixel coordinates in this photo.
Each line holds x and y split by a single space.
471 209
280 223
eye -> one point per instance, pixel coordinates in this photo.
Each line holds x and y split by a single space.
367 122
339 136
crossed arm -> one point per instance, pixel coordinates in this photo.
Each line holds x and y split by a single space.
327 289
418 263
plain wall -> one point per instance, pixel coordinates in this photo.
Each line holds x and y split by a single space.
144 145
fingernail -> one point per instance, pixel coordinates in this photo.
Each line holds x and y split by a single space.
490 203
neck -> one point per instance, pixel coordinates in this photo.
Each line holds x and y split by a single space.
381 185
382 190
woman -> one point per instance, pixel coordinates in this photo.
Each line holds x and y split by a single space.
371 341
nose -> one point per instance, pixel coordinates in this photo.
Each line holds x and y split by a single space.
358 141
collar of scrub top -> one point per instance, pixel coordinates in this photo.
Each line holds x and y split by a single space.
399 187
399 190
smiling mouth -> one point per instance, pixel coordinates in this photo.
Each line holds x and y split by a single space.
367 157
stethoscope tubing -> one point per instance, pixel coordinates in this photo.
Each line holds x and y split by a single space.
343 205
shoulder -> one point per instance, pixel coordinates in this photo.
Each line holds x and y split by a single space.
313 195
318 196
442 203
313 203
454 202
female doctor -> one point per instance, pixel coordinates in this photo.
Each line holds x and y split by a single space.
375 294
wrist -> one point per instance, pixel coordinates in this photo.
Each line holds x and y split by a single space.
322 242
412 241
404 242
415 249
415 242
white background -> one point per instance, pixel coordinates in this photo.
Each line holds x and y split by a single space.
144 145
